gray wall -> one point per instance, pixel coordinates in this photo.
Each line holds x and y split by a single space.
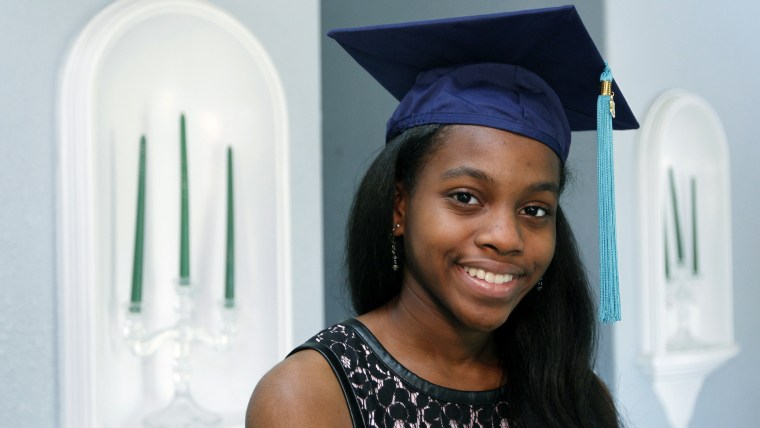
710 48
355 109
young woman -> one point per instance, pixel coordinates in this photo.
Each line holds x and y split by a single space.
474 309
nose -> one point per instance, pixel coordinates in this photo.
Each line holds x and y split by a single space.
500 232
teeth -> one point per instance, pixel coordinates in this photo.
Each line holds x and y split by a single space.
489 277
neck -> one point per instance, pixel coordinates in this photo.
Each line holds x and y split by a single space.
435 346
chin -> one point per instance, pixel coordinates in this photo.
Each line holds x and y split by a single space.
485 323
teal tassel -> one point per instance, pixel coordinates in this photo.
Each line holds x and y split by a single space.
609 310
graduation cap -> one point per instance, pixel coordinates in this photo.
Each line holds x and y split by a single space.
536 73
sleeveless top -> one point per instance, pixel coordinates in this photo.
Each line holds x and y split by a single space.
380 392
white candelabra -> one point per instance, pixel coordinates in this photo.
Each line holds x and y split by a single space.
182 411
682 274
681 299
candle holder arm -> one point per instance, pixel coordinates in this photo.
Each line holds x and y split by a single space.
140 342
220 338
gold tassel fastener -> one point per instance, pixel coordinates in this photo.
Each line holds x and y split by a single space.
607 90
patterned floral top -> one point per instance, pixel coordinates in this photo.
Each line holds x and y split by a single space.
380 392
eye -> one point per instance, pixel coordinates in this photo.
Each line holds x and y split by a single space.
465 198
535 211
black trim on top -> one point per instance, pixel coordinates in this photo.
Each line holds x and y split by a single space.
436 391
345 385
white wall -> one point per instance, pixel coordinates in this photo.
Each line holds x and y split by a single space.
35 36
707 48
711 49
289 30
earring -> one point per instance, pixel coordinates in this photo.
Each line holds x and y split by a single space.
540 285
394 255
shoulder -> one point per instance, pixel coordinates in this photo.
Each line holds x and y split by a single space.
300 391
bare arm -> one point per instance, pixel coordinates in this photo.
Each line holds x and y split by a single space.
300 391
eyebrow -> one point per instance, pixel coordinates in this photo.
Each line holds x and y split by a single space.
466 171
545 187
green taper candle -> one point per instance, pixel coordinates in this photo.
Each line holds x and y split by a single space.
229 283
184 244
694 240
676 217
137 260
666 250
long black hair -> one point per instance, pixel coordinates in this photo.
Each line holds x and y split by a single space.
547 344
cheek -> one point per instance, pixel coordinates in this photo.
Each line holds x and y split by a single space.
431 230
423 230
543 247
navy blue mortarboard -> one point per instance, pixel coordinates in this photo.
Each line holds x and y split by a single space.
535 73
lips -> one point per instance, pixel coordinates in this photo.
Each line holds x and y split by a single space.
489 277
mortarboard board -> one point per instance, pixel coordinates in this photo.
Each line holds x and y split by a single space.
535 73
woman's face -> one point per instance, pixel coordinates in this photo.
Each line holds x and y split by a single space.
479 225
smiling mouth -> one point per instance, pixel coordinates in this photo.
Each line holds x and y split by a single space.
489 277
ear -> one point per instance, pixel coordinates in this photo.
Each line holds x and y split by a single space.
400 202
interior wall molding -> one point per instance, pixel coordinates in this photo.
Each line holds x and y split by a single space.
78 241
686 263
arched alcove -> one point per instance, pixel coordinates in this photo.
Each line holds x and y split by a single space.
684 208
132 71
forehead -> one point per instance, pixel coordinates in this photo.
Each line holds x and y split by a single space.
500 154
